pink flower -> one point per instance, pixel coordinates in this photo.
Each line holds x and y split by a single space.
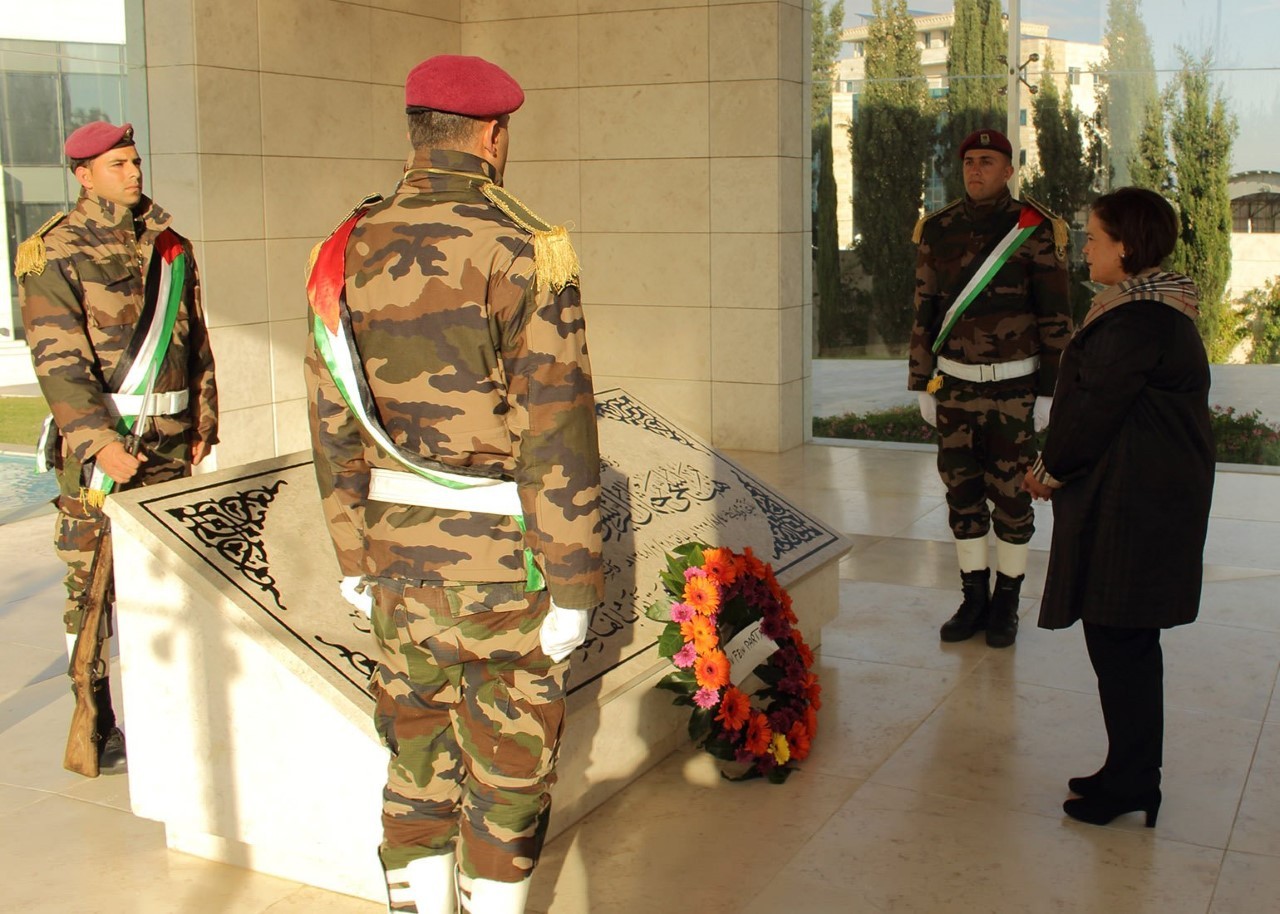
706 698
684 657
691 573
681 612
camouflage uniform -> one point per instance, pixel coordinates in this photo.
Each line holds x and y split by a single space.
80 312
985 433
473 364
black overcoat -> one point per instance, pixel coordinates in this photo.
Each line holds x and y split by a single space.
1130 439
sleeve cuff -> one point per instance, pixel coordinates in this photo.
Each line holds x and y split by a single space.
1042 474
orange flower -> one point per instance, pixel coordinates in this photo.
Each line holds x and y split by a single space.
701 632
712 670
734 709
811 722
752 565
814 691
720 565
702 594
798 737
806 652
759 736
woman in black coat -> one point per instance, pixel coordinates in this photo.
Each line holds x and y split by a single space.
1129 463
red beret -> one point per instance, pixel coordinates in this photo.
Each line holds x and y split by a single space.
95 138
987 139
462 85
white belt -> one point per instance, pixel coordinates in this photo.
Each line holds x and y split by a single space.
167 403
483 496
1000 371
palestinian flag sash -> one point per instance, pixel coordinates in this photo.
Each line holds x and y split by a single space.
331 331
142 361
1029 219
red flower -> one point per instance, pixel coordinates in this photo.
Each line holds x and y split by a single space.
734 709
759 736
720 565
798 738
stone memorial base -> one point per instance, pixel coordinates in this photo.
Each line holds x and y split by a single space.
243 671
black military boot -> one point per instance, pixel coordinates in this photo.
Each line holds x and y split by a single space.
1002 627
971 617
111 754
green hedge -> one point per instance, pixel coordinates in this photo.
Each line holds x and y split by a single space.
1241 437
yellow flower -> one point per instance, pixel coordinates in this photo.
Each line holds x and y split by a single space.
781 751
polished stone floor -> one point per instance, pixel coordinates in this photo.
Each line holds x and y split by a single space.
935 784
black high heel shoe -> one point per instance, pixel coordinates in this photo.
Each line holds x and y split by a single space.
1100 807
1084 786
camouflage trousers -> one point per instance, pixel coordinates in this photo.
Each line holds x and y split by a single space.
985 444
471 710
79 527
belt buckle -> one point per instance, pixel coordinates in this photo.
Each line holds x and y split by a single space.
983 371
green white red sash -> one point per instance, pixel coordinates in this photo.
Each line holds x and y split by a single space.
166 280
331 331
1028 221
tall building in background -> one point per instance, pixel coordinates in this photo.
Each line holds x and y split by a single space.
1073 64
61 66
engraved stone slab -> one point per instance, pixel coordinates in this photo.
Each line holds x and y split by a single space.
234 573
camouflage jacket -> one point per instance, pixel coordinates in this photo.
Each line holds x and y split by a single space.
80 312
471 363
1024 310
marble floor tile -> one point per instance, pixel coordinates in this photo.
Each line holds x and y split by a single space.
1220 572
1246 496
1016 747
927 563
1248 543
868 711
13 799
1251 602
1217 668
893 623
867 513
1247 884
33 725
1257 828
22 665
35 619
685 841
905 851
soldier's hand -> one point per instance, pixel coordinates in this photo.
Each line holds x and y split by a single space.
929 408
1040 413
562 631
118 463
199 451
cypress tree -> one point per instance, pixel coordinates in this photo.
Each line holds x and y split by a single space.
975 76
1201 131
891 140
1149 166
826 239
1129 71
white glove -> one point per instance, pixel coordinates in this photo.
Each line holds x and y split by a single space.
929 408
1040 415
562 631
356 591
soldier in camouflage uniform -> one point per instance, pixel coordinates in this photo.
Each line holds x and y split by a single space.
82 283
988 385
463 312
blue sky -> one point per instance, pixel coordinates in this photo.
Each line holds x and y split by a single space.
1241 33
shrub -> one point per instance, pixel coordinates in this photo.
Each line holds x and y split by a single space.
1240 437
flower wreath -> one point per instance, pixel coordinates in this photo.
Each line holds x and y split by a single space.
720 601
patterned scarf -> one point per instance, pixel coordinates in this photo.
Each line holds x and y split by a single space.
1172 289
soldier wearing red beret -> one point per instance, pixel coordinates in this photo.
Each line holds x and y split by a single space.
100 287
465 507
992 317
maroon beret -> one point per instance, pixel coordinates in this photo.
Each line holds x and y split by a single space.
462 85
95 138
987 139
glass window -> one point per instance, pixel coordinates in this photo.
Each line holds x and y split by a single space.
30 128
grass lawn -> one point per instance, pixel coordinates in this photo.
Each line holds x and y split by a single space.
20 419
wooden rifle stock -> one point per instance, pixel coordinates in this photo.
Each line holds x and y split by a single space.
81 755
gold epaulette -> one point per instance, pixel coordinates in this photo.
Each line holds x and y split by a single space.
31 257
315 249
918 233
1061 232
556 262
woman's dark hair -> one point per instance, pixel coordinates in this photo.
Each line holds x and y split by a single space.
1142 221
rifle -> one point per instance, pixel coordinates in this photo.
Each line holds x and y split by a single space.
87 664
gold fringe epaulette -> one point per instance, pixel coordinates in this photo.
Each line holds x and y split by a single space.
315 248
918 232
1061 231
556 262
31 257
